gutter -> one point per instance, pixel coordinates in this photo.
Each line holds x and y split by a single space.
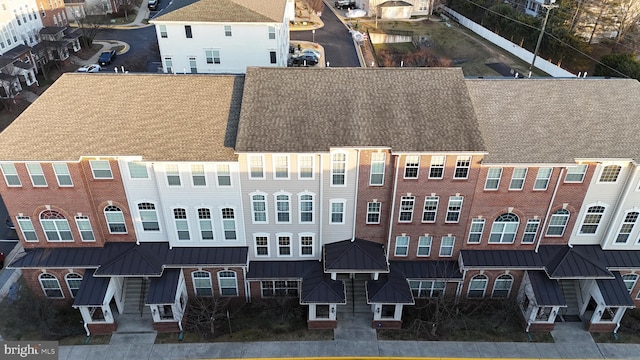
355 198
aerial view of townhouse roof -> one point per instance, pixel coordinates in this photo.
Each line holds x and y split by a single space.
362 196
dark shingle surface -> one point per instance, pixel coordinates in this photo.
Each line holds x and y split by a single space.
547 291
614 291
229 11
358 255
428 269
407 109
92 290
162 290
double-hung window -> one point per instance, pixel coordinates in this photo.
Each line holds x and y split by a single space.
227 30
281 166
627 226
262 244
101 169
272 32
10 175
182 224
436 170
463 163
205 223
406 209
530 231
376 177
229 224
337 212
424 245
84 227
259 208
198 177
475 232
137 170
610 174
411 166
402 246
27 229
430 209
373 212
558 222
575 174
173 174
592 220
305 167
446 246
493 179
36 174
256 166
306 208
148 216
542 179
338 169
283 208
224 175
518 178
202 283
306 245
454 209
284 245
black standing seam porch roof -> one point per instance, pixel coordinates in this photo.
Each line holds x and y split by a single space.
575 262
484 259
389 288
92 290
163 289
428 269
355 256
614 291
546 291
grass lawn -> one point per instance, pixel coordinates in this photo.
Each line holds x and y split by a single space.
629 331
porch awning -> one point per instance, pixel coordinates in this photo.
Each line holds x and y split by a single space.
575 262
259 270
546 291
614 291
50 258
134 261
390 288
163 289
318 288
428 269
501 259
92 290
355 256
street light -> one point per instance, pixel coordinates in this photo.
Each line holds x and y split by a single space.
549 7
313 32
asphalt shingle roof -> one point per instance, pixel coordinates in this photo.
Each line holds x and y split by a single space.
557 120
228 11
158 117
407 109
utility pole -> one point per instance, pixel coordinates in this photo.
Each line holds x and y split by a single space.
549 7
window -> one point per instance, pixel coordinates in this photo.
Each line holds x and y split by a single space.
50 286
338 169
558 222
202 283
402 246
424 245
502 286
212 56
206 226
475 232
430 208
427 288
259 209
337 212
137 170
575 174
224 175
610 173
281 166
36 174
436 170
163 31
55 226
283 206
530 231
187 31
284 245
227 30
406 209
518 178
411 166
446 246
26 227
197 175
173 174
376 177
272 32
273 58
453 209
229 223
626 227
115 220
504 229
148 216
279 288
592 220
542 179
73 283
168 64
84 227
462 167
305 166
256 167
306 245
182 225
101 169
477 286
306 208
493 179
630 281
262 245
373 212
193 65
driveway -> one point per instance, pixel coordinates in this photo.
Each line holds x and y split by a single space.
335 38
143 49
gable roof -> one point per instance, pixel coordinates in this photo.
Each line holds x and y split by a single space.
227 11
356 255
194 117
389 288
407 109
546 291
541 117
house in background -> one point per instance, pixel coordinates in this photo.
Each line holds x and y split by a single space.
223 36
52 13
78 9
396 9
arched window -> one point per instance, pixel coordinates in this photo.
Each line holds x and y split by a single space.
502 286
202 283
182 224
592 220
73 283
259 208
228 283
115 220
504 228
283 208
627 226
630 281
148 216
206 226
558 222
229 224
50 286
55 226
477 286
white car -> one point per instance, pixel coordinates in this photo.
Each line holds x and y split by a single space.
93 68
311 52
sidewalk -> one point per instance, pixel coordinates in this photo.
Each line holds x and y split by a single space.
142 14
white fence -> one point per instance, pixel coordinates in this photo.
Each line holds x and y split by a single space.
507 45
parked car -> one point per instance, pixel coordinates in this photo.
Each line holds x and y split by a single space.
9 223
153 4
93 68
107 57
305 60
345 4
311 52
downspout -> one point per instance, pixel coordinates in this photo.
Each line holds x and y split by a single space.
247 290
355 199
546 216
244 230
393 206
320 202
623 195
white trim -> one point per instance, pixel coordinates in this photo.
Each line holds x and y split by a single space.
32 230
66 280
51 277
379 212
417 167
336 162
203 175
275 166
86 219
424 237
235 221
377 162
313 207
582 173
267 246
453 245
497 177
344 211
250 166
513 178
193 282
146 168
275 204
584 216
312 246
408 199
405 246
173 175
210 220
100 162
459 212
462 158
177 221
35 169
546 179
217 174
278 246
253 210
313 172
440 165
12 173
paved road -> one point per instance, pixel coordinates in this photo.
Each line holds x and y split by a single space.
335 38
144 49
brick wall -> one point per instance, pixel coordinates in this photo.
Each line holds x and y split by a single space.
214 280
492 275
326 324
31 277
368 193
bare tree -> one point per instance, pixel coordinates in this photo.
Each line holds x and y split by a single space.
89 27
316 5
126 6
205 314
